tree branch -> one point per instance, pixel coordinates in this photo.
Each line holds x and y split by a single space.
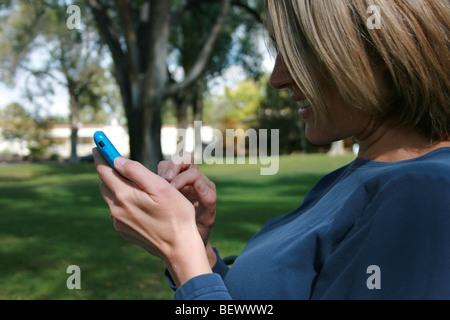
189 5
83 84
130 37
249 10
106 28
111 38
38 73
177 14
204 55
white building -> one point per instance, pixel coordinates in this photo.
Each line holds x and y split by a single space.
116 133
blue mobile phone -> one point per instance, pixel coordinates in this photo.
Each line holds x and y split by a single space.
107 149
109 152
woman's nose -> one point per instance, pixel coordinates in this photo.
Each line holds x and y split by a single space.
280 78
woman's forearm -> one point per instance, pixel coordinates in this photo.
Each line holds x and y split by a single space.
189 260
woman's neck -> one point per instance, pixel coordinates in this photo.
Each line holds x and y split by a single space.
388 144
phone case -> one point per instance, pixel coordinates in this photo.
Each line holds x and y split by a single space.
107 149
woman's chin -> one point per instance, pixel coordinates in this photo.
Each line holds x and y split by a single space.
321 136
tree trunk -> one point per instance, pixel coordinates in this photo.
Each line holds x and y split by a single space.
304 142
142 85
141 70
337 148
152 83
182 103
198 114
74 123
73 143
182 109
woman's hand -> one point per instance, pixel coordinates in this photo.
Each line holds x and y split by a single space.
184 175
155 216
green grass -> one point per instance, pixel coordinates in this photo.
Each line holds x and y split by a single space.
52 216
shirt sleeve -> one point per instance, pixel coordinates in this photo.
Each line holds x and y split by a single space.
220 267
205 287
399 248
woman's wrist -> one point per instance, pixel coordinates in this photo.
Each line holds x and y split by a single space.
188 260
212 257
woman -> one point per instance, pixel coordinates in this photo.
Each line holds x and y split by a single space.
378 228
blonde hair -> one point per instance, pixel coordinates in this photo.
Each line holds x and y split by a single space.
411 46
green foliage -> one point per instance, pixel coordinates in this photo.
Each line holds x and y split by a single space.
34 133
68 57
278 111
235 46
241 104
255 104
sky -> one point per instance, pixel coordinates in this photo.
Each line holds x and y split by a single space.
57 105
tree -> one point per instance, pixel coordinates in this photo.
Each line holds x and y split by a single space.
236 45
240 105
278 111
138 36
337 148
32 132
68 57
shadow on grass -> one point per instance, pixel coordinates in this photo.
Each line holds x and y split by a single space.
46 227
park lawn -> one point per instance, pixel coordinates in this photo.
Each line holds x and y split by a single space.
52 217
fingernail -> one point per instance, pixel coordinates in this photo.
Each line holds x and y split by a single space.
202 187
169 175
118 162
173 185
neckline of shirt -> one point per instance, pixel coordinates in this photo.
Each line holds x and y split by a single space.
360 162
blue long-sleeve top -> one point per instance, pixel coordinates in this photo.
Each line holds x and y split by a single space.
370 230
